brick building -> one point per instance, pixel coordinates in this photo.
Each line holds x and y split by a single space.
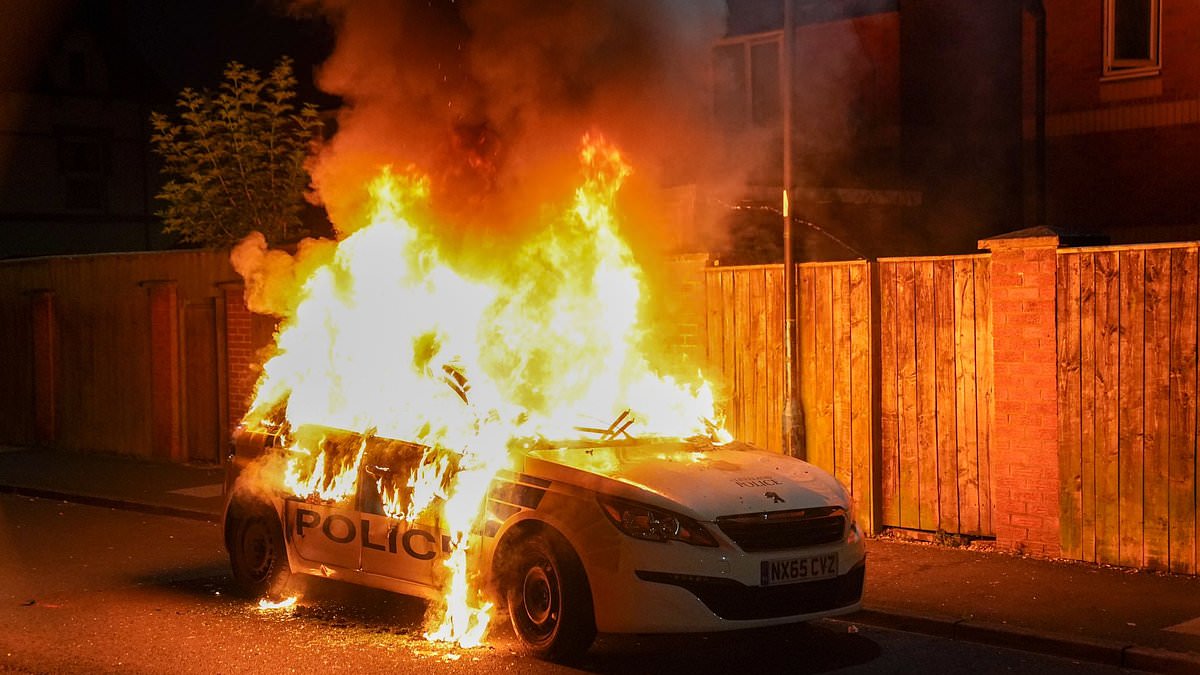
922 126
75 170
1123 119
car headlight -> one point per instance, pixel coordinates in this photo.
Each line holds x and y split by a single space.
641 521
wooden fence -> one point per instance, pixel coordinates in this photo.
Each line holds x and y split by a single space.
936 393
928 459
97 376
745 315
1127 380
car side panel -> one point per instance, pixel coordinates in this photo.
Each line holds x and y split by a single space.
323 535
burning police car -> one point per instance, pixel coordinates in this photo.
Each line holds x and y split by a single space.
612 535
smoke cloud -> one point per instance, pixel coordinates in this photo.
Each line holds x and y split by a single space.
491 98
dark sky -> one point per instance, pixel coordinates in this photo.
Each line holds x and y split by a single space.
162 46
188 43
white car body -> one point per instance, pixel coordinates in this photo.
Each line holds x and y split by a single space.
787 548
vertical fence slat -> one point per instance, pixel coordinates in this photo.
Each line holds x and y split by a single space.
775 332
946 403
1132 344
861 415
821 453
1108 313
965 374
906 364
984 388
926 450
1182 470
744 375
1069 440
756 390
842 451
806 355
1158 407
1089 428
732 367
889 414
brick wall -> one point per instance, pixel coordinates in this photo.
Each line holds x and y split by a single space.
239 352
1025 476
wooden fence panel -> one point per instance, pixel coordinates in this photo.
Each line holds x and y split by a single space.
745 336
1127 339
102 322
936 393
1181 470
18 391
833 351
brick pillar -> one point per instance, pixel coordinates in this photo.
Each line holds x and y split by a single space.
1024 451
45 367
685 313
166 424
239 352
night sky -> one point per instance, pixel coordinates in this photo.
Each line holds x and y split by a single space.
161 47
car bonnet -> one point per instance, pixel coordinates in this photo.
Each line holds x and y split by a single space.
703 482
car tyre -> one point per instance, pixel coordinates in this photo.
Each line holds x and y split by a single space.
549 600
257 554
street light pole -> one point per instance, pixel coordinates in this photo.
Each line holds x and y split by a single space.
793 443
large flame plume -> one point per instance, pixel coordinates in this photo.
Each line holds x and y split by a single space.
381 337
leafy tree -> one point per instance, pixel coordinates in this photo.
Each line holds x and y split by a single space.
235 158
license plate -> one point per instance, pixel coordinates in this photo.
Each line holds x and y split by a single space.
795 570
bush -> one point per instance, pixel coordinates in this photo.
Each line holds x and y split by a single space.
234 160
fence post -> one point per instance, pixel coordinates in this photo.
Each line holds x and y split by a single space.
1024 451
45 367
166 391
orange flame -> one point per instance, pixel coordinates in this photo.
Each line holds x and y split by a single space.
386 339
266 605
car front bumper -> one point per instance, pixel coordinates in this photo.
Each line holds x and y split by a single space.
675 587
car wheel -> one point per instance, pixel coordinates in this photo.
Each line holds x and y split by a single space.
258 556
548 598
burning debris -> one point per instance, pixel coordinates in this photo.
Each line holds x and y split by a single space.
267 605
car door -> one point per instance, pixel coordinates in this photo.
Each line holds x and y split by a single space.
391 545
328 533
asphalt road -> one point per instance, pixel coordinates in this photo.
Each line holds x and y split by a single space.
93 590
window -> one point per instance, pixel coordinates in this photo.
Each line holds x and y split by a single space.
1131 37
83 163
746 90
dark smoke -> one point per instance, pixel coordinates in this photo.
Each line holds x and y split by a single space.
492 97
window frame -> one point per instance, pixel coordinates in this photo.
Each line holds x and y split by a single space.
746 43
76 178
1114 68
